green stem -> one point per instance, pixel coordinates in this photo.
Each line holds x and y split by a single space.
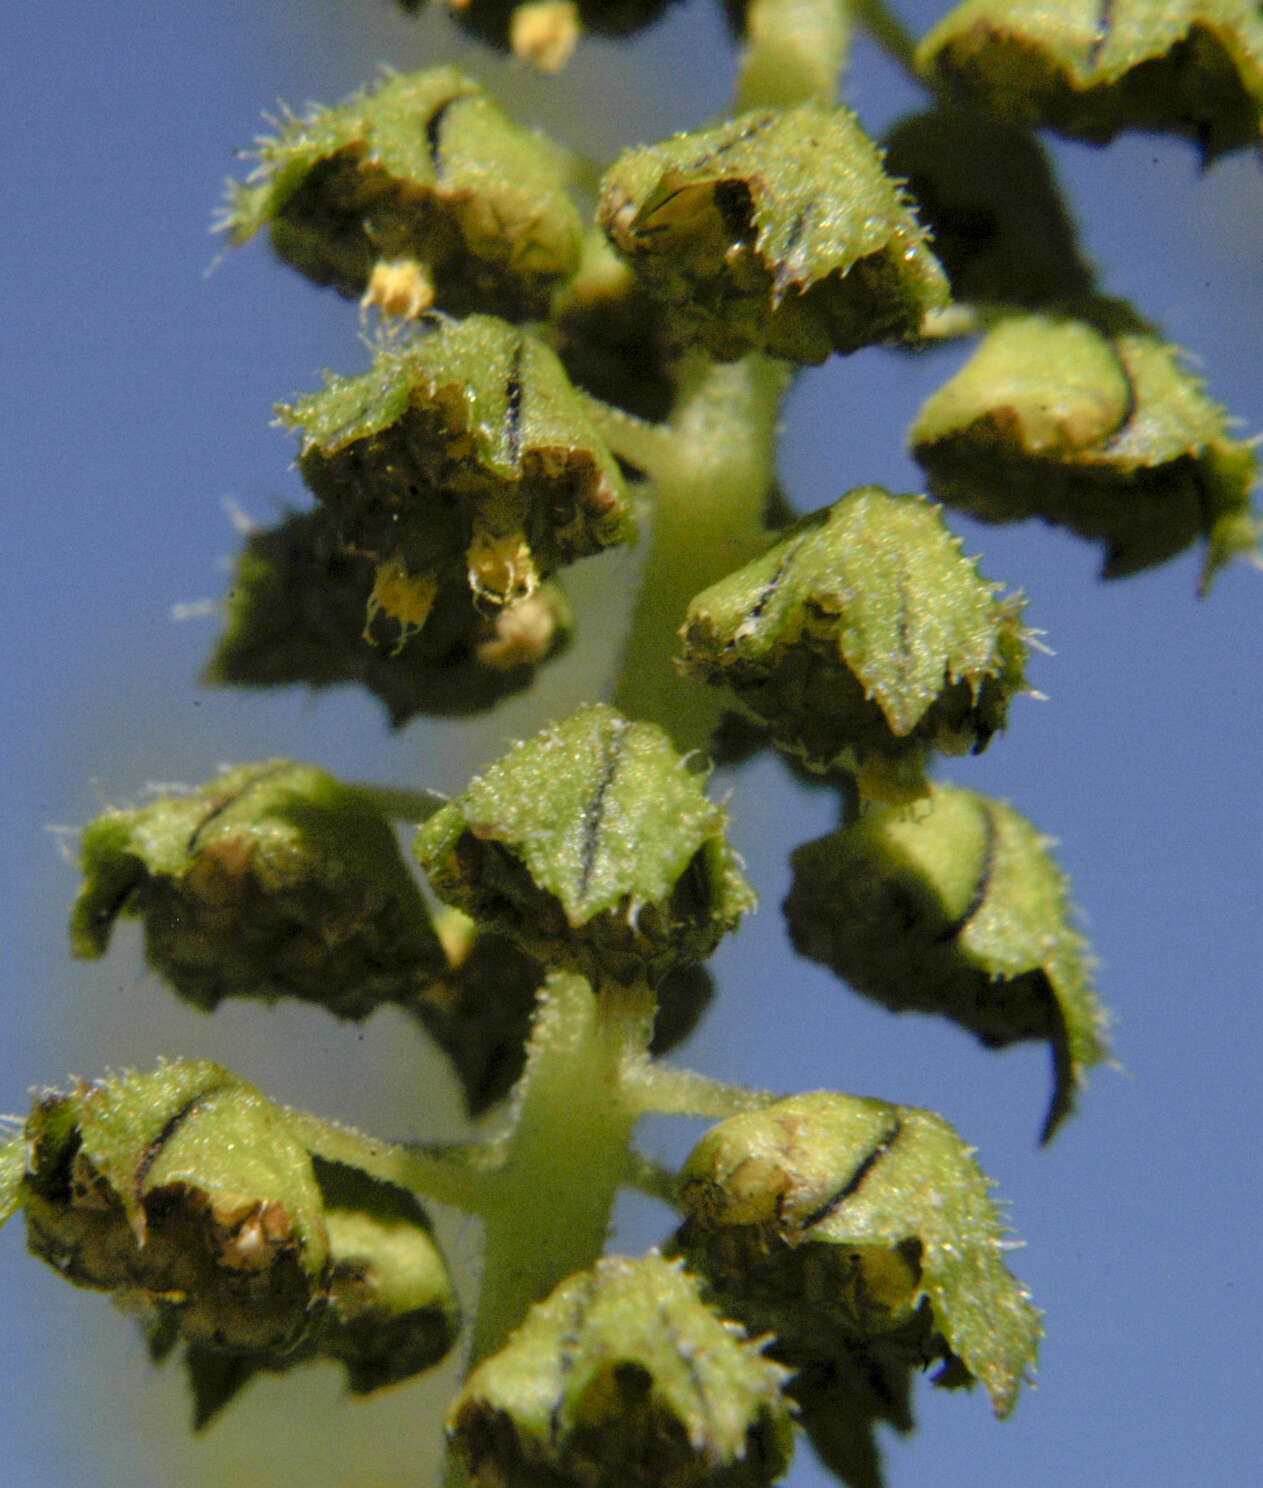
795 52
712 483
890 33
460 1174
567 1152
683 1092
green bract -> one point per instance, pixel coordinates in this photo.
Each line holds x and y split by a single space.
273 880
1108 434
986 191
847 1227
863 638
624 1378
462 461
422 193
778 231
955 908
187 1195
295 613
1191 67
593 846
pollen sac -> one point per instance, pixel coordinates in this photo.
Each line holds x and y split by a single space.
863 639
1108 434
461 462
592 846
1188 67
296 614
863 1236
187 1194
956 908
624 1378
419 193
273 880
986 191
492 21
777 231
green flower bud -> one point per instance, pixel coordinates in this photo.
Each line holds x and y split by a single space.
851 1227
296 611
624 1378
181 1191
389 1310
272 880
1109 435
1190 67
592 846
864 638
987 193
462 461
186 1194
778 230
418 193
955 908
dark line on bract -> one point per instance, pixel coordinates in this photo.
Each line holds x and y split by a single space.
231 800
981 885
852 1185
173 1123
769 589
433 133
513 407
595 808
1101 31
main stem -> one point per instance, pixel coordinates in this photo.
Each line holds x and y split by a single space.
548 1212
710 498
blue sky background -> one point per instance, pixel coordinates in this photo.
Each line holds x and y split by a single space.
137 399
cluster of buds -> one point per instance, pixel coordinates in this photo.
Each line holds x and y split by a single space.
188 1195
1102 430
462 463
863 1237
592 846
958 909
272 880
863 638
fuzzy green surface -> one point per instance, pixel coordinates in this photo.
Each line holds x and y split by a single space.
603 821
625 1377
956 907
424 167
1194 67
777 230
12 1168
841 1171
873 600
1110 435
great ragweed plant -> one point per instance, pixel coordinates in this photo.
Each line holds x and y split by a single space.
537 382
